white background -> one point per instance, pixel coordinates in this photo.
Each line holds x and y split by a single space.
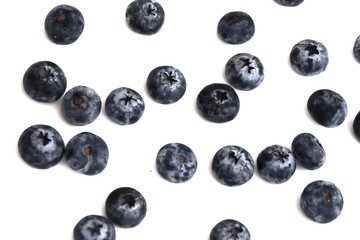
46 204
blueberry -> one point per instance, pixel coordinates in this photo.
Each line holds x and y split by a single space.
44 81
125 207
145 16
327 108
218 103
356 126
356 49
308 151
233 165
321 201
236 27
87 153
289 3
229 229
64 24
80 105
124 106
176 162
41 146
94 227
309 57
244 71
276 164
166 84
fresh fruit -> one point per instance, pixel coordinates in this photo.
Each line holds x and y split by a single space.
44 81
244 71
94 227
218 103
166 84
125 207
176 162
289 3
229 229
41 146
321 201
276 164
356 126
233 165
356 49
328 108
236 27
64 24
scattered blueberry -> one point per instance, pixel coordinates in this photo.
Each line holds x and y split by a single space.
276 164
41 146
236 27
218 103
87 153
176 162
308 151
64 24
356 126
145 16
356 48
124 106
233 165
44 81
229 229
166 84
289 3
327 108
94 227
321 201
309 57
244 71
80 105
125 207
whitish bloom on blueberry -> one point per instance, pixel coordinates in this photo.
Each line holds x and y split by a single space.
230 229
94 227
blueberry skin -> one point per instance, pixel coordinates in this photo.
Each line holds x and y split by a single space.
94 227
230 229
80 105
244 71
145 16
289 3
236 27
176 162
124 106
125 207
321 201
41 146
356 49
233 165
44 81
308 151
166 84
276 164
309 57
218 103
356 126
327 108
87 153
64 24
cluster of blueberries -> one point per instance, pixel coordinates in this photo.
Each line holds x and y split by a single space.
41 146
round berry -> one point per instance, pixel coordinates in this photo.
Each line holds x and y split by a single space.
94 227
229 229
289 3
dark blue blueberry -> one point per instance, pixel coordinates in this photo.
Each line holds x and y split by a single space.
276 164
94 227
124 106
81 105
176 162
321 201
233 165
64 24
125 207
236 27
218 103
166 84
289 3
309 57
41 146
244 71
327 108
356 49
145 16
356 126
44 81
308 151
229 229
87 153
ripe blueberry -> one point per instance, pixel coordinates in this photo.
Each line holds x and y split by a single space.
229 229
94 227
356 48
289 3
356 126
